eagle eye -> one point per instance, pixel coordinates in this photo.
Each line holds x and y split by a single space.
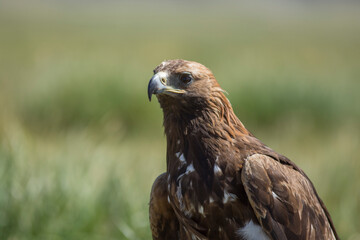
186 78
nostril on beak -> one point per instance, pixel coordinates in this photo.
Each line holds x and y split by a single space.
163 81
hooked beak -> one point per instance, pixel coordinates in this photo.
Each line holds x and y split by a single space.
157 85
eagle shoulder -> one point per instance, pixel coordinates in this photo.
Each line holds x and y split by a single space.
163 221
284 200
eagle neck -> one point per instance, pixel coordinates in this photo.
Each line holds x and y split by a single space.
201 137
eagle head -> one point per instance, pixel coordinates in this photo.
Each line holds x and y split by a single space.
183 83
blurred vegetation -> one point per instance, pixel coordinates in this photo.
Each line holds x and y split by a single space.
80 144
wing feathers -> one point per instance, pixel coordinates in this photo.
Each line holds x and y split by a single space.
163 222
284 200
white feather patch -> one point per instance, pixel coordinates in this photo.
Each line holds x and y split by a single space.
252 231
190 168
201 210
229 197
181 157
217 169
274 195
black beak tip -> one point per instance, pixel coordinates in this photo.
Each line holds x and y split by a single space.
150 90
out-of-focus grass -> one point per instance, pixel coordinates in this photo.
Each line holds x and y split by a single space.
73 185
80 144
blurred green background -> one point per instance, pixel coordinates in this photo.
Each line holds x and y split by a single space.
80 144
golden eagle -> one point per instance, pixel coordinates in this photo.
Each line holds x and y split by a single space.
221 182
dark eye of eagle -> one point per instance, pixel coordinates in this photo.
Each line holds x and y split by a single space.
186 77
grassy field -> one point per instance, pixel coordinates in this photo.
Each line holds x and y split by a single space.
80 145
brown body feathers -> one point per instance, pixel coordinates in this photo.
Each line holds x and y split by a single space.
221 182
